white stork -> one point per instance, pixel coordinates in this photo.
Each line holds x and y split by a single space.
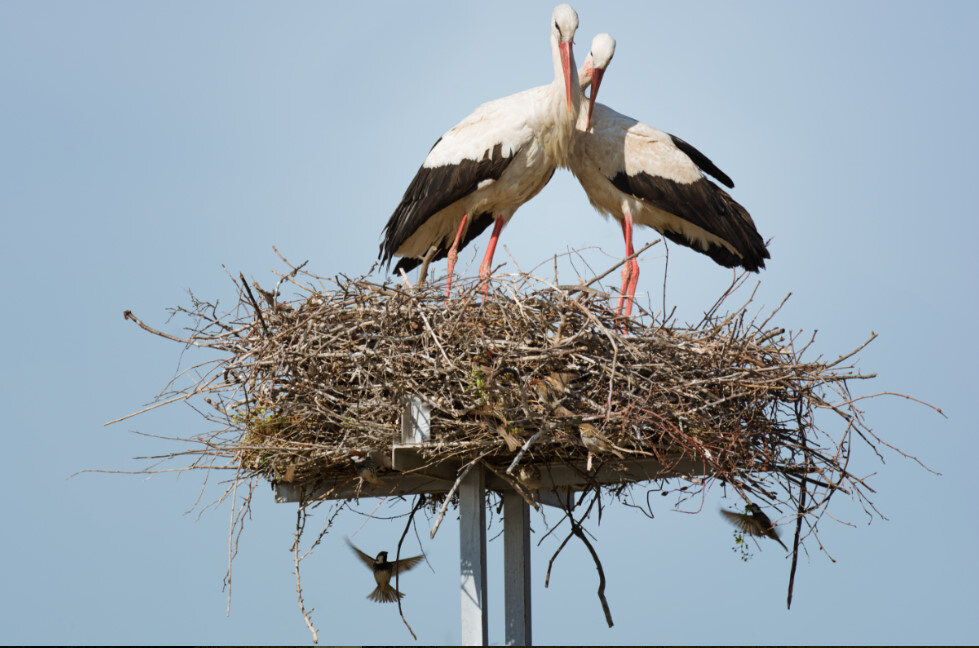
486 166
638 174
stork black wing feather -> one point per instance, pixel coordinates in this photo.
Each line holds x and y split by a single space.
703 162
435 188
704 204
477 225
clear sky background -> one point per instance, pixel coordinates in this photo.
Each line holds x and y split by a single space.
143 146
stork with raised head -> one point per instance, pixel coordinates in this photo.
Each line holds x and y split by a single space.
638 174
486 166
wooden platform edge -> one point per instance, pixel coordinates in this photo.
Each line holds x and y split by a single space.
411 476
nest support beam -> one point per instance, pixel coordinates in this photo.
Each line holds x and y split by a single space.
414 473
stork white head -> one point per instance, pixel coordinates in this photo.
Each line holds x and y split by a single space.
602 50
564 23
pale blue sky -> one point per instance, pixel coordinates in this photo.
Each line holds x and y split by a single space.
143 146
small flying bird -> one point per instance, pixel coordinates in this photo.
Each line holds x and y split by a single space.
638 174
595 442
366 467
488 165
384 571
754 522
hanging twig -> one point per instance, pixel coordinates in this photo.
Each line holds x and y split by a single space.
801 510
307 615
419 502
568 513
576 529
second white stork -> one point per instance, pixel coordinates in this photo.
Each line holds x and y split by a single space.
638 174
485 167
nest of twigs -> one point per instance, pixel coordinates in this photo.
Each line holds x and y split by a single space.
301 382
314 369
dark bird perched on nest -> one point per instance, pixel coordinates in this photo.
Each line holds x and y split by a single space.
754 522
530 477
551 389
366 468
384 571
596 443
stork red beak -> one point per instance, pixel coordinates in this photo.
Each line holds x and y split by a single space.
596 80
566 64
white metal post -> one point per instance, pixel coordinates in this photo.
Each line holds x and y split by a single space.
516 562
416 421
472 554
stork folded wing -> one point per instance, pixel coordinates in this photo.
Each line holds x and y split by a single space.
436 187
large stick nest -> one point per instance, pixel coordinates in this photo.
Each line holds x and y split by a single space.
302 382
520 374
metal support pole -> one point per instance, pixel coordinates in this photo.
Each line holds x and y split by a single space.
416 421
472 554
516 561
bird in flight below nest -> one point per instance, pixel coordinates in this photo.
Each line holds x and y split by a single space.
753 522
383 571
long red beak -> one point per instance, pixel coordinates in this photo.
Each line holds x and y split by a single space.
596 80
566 64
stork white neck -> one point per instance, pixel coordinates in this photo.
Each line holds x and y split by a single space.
590 74
565 91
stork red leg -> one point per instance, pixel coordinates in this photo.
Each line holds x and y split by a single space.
634 272
454 253
630 271
632 287
487 266
625 277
